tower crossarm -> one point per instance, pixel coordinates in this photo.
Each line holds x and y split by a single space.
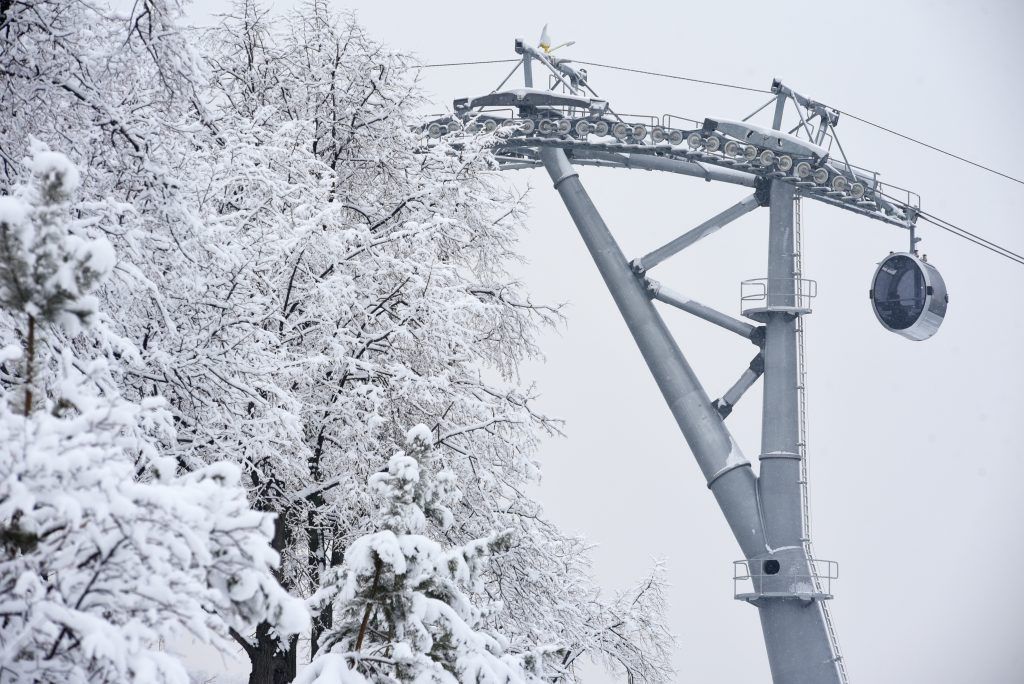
518 123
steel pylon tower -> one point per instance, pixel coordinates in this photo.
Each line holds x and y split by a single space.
567 124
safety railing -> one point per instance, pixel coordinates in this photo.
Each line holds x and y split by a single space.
773 293
764 577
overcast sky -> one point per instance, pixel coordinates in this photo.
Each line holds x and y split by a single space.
915 448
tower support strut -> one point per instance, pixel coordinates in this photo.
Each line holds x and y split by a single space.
798 642
763 513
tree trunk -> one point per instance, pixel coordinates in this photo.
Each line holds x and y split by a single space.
271 665
317 544
272 661
30 358
317 553
369 604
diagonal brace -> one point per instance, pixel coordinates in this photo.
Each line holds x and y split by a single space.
663 294
746 381
729 475
713 224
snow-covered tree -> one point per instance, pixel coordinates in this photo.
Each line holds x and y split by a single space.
399 306
299 279
403 611
106 552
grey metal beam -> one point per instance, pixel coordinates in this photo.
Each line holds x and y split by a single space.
641 162
728 473
796 637
780 108
709 173
687 168
819 196
712 225
584 156
780 469
733 395
672 298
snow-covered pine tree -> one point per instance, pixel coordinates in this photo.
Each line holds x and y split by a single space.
106 553
401 608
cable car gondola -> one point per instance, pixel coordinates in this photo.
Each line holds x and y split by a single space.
909 296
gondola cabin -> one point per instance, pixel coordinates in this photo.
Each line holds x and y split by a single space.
909 296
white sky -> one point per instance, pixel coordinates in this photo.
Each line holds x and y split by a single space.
915 448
